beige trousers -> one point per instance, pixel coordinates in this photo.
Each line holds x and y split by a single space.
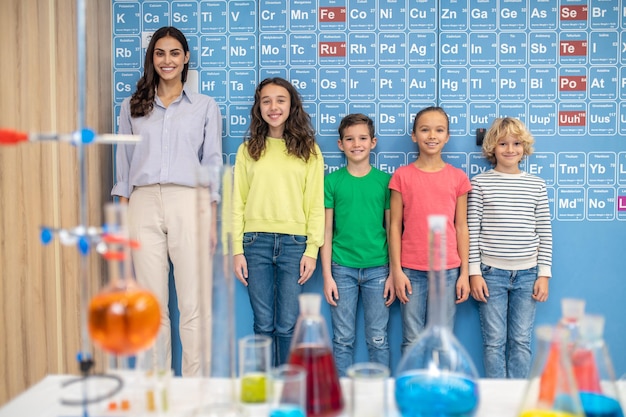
165 219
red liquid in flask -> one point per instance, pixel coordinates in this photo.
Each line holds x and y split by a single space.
323 391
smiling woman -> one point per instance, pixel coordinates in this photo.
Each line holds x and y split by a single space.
181 133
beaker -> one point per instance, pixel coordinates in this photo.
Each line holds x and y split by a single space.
593 370
287 389
436 376
311 349
255 359
551 389
368 389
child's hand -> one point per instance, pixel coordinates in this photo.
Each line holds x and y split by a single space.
403 287
240 265
478 288
330 291
540 290
462 289
389 294
307 266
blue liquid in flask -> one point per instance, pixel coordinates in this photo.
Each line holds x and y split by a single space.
598 405
436 376
287 411
419 394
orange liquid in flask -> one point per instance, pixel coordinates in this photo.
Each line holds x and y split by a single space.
124 321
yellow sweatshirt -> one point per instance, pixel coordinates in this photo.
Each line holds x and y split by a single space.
279 193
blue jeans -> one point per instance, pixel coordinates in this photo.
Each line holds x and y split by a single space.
506 321
273 271
371 283
414 312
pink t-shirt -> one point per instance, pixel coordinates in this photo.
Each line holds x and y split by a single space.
423 194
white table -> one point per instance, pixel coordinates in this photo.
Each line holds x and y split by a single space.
498 398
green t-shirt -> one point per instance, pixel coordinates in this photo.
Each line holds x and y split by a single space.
359 204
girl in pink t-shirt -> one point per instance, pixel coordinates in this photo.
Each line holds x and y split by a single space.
427 186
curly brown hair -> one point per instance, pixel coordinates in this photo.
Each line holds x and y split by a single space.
299 134
142 100
501 128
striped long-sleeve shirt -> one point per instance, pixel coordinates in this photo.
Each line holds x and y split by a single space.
509 223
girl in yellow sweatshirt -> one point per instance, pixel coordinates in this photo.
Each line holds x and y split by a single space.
278 213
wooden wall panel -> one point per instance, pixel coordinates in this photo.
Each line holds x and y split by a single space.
40 303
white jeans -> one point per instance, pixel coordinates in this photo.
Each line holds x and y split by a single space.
164 220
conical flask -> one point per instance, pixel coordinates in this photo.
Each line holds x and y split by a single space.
572 311
436 376
311 349
593 371
551 389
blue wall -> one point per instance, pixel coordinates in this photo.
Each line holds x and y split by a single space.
557 65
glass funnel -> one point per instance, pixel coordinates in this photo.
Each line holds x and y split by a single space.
311 349
436 376
551 389
593 370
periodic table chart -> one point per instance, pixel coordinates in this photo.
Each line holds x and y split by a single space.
556 65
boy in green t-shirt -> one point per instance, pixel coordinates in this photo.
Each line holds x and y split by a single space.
354 255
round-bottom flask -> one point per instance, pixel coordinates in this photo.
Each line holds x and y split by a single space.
123 318
436 376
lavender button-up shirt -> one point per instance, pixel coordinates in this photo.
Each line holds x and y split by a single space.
175 142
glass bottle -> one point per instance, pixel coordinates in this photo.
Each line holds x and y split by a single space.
311 349
436 376
551 389
593 371
123 317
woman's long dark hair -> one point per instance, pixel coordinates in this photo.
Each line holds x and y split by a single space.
142 101
299 134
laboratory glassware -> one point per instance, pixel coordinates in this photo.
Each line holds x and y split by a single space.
593 370
436 376
551 389
311 349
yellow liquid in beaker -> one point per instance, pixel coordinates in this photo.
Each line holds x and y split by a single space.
546 413
253 388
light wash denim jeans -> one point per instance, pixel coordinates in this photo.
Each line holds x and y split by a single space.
370 282
273 271
414 312
506 321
